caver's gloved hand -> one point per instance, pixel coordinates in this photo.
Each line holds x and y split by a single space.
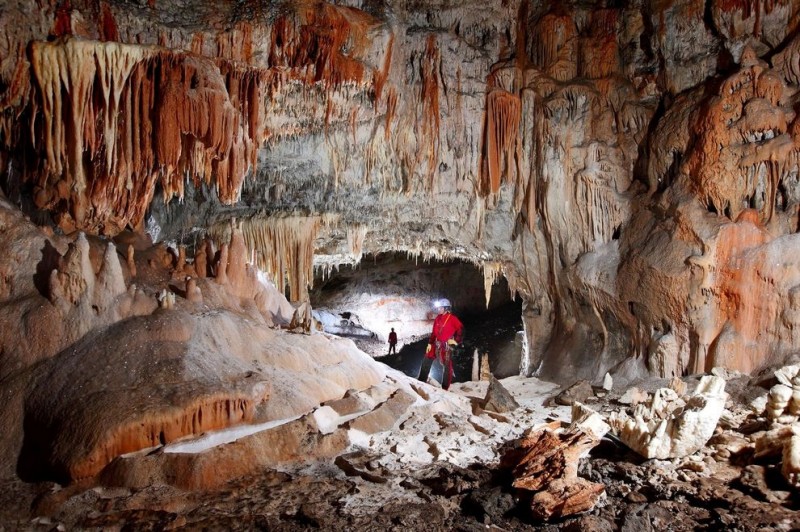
452 342
429 351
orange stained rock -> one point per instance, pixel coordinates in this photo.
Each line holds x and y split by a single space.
151 429
747 299
552 34
740 141
206 116
63 20
429 99
503 113
310 43
108 26
391 109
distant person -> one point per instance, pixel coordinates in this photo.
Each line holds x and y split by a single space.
446 335
392 342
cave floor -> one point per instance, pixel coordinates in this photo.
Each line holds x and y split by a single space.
357 491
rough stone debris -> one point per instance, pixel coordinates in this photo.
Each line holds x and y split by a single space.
546 463
278 105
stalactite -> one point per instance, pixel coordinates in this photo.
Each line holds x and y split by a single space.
283 247
391 109
491 273
503 112
380 77
206 116
236 44
355 241
13 99
428 148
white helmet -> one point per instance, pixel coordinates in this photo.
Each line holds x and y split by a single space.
442 303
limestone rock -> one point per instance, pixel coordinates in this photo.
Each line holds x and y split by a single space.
580 391
589 421
669 428
498 399
608 382
633 396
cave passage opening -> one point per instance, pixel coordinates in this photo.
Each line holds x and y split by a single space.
392 291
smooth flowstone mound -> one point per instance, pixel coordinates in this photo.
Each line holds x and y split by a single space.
151 380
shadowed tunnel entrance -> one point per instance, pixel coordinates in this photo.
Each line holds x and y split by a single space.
390 291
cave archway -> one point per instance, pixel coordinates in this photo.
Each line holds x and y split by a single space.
389 290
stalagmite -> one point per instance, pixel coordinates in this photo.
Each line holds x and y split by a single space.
193 292
110 281
166 299
130 261
74 276
486 372
221 267
201 261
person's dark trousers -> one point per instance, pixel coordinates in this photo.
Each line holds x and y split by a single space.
425 369
447 370
392 349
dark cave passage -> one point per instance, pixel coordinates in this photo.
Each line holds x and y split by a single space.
497 332
390 291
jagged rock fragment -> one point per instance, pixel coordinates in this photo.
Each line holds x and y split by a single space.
580 391
498 399
565 497
633 396
546 462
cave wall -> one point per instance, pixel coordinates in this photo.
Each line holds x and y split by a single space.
630 167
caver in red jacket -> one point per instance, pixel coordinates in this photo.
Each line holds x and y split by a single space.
445 327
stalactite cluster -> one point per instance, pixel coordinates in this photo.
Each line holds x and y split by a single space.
311 42
283 247
116 119
553 44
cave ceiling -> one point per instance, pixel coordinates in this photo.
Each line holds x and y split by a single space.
630 167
